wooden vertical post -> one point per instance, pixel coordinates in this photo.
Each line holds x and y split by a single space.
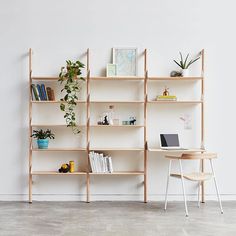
30 126
145 123
88 126
202 119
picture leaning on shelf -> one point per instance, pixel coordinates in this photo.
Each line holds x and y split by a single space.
100 163
42 93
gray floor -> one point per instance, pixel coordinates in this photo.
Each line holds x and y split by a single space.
115 218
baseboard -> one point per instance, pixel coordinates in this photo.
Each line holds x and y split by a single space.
109 197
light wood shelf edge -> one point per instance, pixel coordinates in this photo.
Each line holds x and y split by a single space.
57 173
120 173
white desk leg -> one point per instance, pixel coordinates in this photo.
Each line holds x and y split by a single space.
216 186
167 184
182 180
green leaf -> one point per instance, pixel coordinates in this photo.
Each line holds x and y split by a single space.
177 63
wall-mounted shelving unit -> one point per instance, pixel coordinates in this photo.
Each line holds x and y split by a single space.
142 104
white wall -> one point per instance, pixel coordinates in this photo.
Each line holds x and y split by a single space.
58 30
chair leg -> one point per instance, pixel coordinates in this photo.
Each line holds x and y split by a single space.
182 180
198 193
216 186
167 184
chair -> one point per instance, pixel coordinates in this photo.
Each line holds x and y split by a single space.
199 176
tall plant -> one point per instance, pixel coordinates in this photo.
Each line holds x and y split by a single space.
184 63
70 77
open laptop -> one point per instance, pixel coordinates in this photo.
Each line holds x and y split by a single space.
170 142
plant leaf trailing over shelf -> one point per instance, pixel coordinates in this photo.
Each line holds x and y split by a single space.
70 78
183 63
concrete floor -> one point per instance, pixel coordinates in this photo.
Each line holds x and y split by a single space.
116 219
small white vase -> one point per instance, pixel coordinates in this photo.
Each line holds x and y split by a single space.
185 72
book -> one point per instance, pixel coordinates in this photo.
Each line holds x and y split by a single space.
44 92
110 165
166 98
40 92
35 95
48 90
100 163
52 95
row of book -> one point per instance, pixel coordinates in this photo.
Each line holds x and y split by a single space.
100 163
42 93
166 98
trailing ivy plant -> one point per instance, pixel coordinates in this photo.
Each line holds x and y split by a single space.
70 77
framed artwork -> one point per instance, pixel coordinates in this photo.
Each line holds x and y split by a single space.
126 61
111 70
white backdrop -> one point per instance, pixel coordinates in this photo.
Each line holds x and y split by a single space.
60 30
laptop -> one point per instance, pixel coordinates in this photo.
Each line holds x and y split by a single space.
170 142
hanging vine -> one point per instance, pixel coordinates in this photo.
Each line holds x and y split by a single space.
70 77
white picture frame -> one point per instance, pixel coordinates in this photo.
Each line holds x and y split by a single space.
125 59
111 70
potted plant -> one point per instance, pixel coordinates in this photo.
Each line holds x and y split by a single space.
184 64
42 137
70 77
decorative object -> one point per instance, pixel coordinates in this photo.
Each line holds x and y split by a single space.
72 166
42 137
125 122
116 121
175 74
166 92
126 61
184 64
111 70
65 168
111 115
187 121
70 77
132 120
105 121
166 96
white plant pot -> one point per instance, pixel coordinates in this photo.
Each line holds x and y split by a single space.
185 72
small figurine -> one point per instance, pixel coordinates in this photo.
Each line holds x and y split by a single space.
175 74
105 121
132 120
166 92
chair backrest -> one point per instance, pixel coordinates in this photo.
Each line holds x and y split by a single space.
195 156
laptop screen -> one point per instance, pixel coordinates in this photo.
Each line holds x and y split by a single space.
169 140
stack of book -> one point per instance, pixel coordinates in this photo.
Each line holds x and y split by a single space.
42 93
100 163
166 98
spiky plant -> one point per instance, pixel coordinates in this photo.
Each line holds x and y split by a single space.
184 63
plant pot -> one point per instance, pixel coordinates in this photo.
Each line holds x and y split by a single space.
42 143
185 72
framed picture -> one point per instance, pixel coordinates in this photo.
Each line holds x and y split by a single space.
111 70
126 61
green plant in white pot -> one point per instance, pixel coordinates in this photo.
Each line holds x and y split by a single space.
70 77
184 64
43 137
